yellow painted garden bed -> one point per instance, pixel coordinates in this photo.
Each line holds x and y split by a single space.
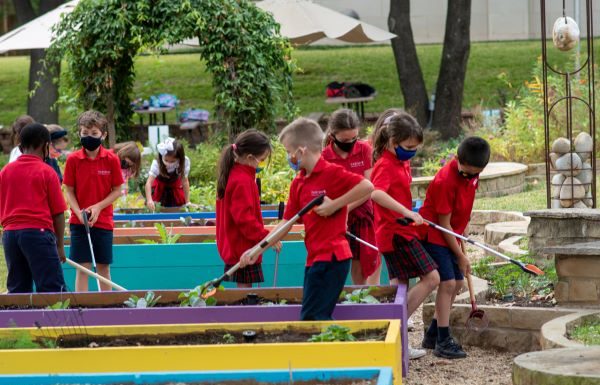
237 356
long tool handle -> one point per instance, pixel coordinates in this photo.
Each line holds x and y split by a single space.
95 275
276 268
471 294
357 239
89 236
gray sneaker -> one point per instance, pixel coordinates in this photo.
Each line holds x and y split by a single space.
414 354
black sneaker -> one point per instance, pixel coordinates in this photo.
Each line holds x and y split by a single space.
429 341
449 349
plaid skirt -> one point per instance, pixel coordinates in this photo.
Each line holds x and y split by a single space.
408 260
248 274
368 258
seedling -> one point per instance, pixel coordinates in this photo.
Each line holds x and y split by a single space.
228 338
333 333
276 303
60 305
197 297
187 221
166 237
149 300
359 296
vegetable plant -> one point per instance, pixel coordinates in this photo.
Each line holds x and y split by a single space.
60 305
333 333
149 300
359 296
195 297
228 338
166 237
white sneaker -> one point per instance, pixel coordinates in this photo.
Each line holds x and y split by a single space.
414 354
410 325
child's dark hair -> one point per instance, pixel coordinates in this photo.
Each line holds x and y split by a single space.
91 119
18 125
33 136
341 120
179 153
131 151
474 151
249 142
398 127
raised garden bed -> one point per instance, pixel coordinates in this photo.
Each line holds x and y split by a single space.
221 356
185 265
560 332
94 309
367 376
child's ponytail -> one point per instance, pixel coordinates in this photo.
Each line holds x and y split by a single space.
397 125
249 142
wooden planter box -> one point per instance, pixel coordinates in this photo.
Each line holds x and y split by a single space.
186 265
382 376
227 357
94 309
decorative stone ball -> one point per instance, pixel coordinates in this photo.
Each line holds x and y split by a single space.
589 202
557 182
572 189
556 204
580 205
565 33
586 175
584 145
566 203
561 146
569 164
553 158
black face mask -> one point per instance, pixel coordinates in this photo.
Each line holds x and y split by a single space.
90 143
344 146
124 164
466 175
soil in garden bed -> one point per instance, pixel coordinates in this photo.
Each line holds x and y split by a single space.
340 381
212 337
516 301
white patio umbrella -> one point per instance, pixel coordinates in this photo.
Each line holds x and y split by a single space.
304 22
37 33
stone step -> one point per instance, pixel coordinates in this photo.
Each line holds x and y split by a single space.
509 246
573 366
497 232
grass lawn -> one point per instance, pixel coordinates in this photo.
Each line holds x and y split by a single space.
533 198
185 76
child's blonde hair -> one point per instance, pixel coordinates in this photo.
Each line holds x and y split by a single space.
303 132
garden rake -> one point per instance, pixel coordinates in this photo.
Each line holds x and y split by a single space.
526 267
210 288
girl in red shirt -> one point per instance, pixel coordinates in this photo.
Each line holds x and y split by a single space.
395 142
343 147
168 181
239 217
131 162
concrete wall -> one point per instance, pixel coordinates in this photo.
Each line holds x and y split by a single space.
490 19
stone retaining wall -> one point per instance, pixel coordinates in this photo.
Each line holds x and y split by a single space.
498 179
481 218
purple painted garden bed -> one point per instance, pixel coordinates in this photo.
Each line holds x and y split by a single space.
93 309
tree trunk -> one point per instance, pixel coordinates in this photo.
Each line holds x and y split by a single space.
110 116
451 79
40 103
407 62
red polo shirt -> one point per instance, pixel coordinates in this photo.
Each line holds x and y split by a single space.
325 236
448 193
30 195
239 217
93 180
359 160
392 176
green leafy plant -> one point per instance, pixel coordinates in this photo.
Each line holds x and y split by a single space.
166 237
588 332
333 333
228 338
149 300
281 302
60 305
20 339
194 297
359 296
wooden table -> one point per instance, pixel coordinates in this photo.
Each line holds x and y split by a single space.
357 104
152 114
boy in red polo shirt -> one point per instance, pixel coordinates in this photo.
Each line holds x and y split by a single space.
328 253
343 147
448 202
93 182
32 215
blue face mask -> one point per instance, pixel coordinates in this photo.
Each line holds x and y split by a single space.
294 166
403 154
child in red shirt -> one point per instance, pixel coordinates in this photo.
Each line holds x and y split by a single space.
239 217
449 202
328 253
168 181
32 214
343 147
93 182
131 162
395 142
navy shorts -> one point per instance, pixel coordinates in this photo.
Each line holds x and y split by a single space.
446 261
102 241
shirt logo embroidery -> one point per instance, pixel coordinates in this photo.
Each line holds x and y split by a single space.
316 193
359 163
103 172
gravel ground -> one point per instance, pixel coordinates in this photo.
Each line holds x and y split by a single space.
481 367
